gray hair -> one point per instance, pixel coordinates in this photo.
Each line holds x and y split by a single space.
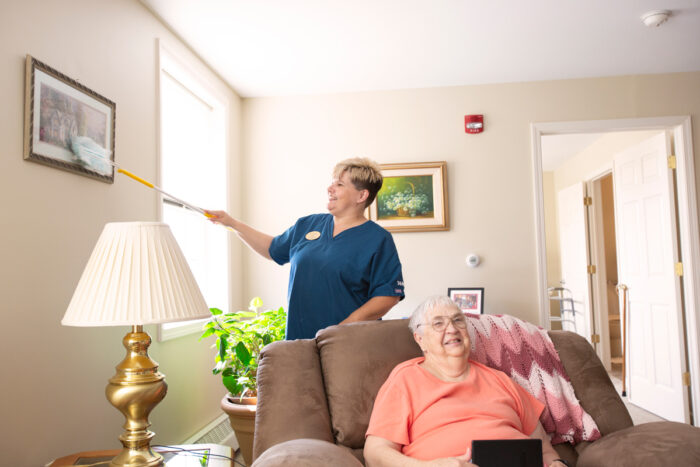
430 303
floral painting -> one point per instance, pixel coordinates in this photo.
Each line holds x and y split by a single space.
406 197
413 197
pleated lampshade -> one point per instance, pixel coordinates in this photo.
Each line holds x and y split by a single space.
136 275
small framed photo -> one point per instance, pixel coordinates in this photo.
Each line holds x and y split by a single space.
468 299
413 197
67 125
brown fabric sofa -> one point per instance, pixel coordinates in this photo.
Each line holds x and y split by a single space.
315 398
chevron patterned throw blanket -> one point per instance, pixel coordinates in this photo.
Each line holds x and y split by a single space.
526 353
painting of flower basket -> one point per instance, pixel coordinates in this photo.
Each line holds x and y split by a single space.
413 197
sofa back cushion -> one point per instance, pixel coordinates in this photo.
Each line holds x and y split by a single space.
291 398
356 359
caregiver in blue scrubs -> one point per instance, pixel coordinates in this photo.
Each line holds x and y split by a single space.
344 268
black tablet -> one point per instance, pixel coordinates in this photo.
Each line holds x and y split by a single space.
507 453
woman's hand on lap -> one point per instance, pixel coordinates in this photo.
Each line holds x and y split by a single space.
459 461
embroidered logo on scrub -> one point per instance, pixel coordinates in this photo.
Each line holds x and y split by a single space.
313 235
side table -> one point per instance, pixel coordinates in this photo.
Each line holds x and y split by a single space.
183 455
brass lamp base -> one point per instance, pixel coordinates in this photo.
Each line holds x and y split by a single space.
135 390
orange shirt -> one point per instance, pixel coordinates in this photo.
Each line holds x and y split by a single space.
431 418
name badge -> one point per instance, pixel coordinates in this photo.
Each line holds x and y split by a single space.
313 235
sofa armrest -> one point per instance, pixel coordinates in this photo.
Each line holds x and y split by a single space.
591 382
307 453
291 397
661 444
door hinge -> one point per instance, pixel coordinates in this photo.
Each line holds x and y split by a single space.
671 161
591 269
679 269
587 201
686 378
595 338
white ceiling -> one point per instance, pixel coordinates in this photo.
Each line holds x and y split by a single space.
287 47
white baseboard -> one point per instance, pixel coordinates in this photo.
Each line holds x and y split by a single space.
218 431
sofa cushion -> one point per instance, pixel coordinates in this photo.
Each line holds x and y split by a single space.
591 382
307 453
568 452
355 363
652 444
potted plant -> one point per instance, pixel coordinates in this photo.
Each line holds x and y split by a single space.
240 336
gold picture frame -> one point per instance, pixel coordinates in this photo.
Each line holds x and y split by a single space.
67 125
413 197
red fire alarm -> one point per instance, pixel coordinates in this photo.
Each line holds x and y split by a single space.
473 123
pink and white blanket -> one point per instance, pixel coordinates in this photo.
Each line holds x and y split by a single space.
526 353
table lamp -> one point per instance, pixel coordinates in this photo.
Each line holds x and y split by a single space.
136 275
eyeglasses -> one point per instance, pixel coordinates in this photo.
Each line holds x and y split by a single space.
440 323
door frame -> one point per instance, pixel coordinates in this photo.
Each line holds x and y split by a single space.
599 289
687 225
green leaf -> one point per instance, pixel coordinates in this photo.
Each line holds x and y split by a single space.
219 367
231 383
223 345
215 311
242 353
207 333
246 314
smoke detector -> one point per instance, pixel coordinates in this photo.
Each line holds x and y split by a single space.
655 18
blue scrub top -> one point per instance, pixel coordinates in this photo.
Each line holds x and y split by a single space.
331 277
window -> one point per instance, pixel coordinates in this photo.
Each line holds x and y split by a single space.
193 167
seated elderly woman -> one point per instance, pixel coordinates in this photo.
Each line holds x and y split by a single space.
431 408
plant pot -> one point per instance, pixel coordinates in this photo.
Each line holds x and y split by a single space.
241 416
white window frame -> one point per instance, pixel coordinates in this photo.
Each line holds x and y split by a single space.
183 71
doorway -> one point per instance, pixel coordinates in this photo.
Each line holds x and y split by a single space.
600 325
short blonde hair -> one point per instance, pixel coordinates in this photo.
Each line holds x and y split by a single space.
364 173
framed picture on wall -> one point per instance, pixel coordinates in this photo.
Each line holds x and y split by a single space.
67 125
413 197
468 299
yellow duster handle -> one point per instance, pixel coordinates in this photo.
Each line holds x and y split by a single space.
151 185
138 179
147 183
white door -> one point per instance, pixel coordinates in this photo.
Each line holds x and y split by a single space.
646 244
574 257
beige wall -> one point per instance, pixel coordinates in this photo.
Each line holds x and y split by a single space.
53 377
291 144
551 230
